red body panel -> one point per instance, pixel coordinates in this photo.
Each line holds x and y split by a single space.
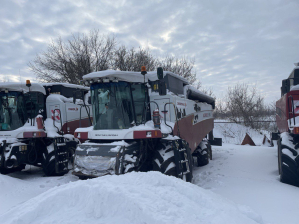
193 134
284 110
147 134
34 134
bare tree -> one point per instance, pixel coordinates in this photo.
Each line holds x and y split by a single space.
69 61
132 59
245 105
182 66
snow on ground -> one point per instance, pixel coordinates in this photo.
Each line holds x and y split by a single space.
248 175
240 185
131 198
19 187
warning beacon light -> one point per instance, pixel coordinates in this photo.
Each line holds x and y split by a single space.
28 84
143 70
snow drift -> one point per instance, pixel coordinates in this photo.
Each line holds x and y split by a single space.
131 198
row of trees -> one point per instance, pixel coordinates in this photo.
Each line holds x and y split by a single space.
68 61
244 104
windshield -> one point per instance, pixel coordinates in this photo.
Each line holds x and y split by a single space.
113 107
12 113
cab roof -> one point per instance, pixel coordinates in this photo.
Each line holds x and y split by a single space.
21 87
129 76
74 86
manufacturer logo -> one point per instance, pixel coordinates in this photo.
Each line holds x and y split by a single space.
181 104
72 109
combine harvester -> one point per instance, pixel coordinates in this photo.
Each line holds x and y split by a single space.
37 126
287 120
143 122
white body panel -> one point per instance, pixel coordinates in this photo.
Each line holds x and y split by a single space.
184 107
60 107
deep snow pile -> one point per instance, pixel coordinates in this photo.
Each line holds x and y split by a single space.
19 187
11 188
131 198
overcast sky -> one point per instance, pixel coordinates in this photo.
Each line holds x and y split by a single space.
255 41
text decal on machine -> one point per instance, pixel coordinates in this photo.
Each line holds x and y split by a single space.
72 109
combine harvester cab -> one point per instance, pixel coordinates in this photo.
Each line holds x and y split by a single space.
142 122
287 120
37 126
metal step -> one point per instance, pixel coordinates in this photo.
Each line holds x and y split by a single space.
61 157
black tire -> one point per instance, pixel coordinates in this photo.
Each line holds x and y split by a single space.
122 165
289 169
49 165
164 161
279 155
204 153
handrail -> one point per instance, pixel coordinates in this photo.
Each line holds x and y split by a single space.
292 109
176 118
55 118
88 113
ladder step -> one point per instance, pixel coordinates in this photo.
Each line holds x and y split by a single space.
184 161
61 144
64 161
61 153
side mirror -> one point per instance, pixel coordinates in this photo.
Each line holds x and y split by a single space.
89 100
40 99
74 98
77 95
160 73
162 88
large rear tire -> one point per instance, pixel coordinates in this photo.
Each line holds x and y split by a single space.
203 153
288 165
164 161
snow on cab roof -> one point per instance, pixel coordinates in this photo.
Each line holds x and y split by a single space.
66 85
21 87
129 76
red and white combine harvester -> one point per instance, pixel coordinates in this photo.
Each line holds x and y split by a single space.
287 120
37 123
143 122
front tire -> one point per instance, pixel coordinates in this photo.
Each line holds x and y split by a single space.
164 161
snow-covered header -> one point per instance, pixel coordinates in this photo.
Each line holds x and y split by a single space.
21 87
128 76
66 85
